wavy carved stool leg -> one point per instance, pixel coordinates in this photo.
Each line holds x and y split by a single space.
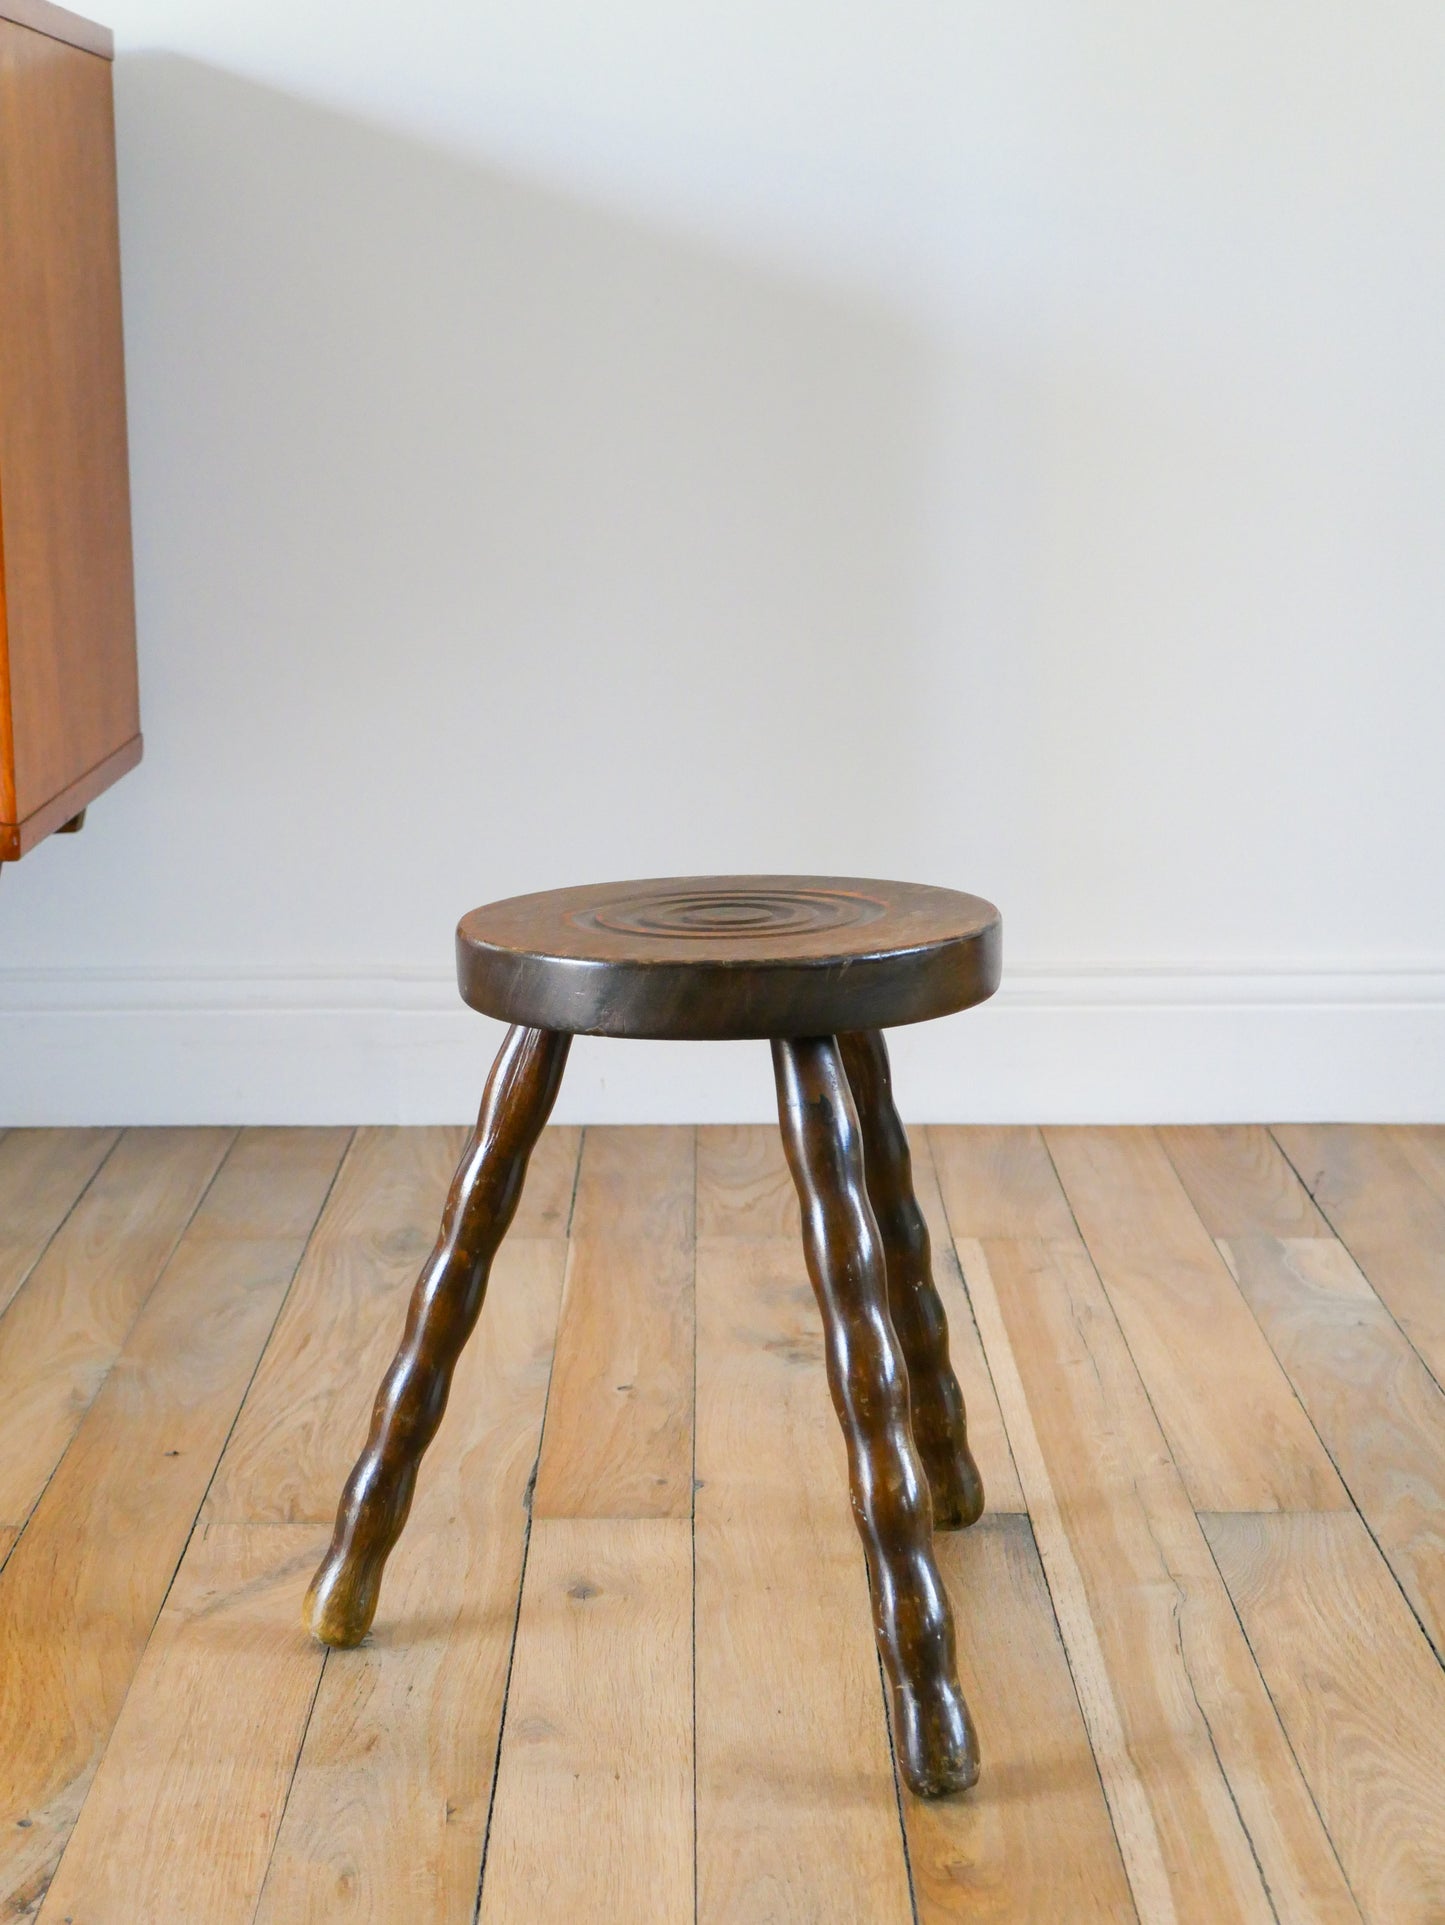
867 1375
444 1309
940 1428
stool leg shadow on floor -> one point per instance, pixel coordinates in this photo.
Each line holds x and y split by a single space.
940 1426
445 1305
868 1378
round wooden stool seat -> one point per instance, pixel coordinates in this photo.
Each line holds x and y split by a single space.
709 957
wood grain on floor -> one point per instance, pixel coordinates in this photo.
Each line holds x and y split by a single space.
796 1810
623 1666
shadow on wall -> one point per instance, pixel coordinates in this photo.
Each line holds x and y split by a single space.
485 541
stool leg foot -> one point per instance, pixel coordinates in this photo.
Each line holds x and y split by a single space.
937 1748
940 1428
445 1305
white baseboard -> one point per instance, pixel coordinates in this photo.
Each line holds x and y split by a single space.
1104 1044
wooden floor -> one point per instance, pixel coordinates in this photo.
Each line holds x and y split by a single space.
623 1667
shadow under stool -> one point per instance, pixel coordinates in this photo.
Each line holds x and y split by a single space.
818 965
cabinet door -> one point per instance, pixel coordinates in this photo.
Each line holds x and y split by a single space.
67 619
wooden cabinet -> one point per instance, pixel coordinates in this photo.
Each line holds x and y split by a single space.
69 707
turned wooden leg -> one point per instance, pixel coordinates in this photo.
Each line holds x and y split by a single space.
937 1749
444 1308
940 1429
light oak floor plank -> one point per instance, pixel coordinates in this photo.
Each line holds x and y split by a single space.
64 1329
42 1173
1212 1817
1424 1148
1388 1216
987 1438
441 1645
1376 1408
546 1206
797 1815
636 1185
1361 1695
305 1419
1240 1183
1234 1425
744 1189
181 1818
387 1812
1133 1758
618 1438
1033 1841
83 1587
999 1182
593 1813
1371 1399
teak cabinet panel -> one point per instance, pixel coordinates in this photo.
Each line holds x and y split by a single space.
69 703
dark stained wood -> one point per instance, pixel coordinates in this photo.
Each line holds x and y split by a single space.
729 956
764 956
445 1305
940 1427
69 710
933 1733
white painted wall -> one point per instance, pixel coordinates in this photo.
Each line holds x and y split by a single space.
1003 446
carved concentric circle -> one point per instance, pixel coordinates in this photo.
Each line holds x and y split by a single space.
745 913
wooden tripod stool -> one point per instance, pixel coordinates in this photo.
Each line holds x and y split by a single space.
819 965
